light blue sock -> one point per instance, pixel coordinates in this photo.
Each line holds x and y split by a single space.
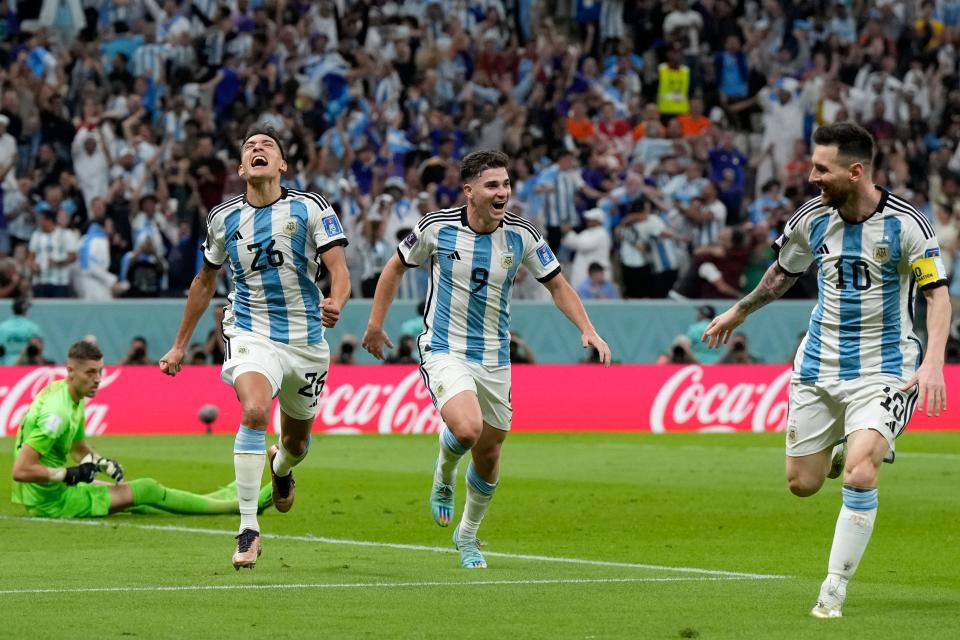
479 494
451 450
249 455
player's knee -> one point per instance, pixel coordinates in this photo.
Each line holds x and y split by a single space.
861 474
467 430
146 491
256 416
803 485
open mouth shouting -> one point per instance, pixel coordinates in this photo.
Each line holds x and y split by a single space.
498 204
259 160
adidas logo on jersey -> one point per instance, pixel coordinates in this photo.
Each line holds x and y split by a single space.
823 250
454 256
237 236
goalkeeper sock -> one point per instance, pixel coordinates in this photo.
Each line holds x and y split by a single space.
479 495
450 453
249 456
854 526
284 462
147 492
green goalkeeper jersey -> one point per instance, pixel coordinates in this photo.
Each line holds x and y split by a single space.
52 424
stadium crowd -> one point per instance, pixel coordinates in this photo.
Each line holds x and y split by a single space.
658 145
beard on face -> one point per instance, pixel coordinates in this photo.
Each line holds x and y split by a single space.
834 197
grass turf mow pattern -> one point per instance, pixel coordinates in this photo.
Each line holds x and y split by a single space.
589 536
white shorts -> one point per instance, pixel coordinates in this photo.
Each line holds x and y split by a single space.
822 414
296 374
446 375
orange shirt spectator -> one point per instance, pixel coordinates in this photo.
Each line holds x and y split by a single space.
579 126
692 125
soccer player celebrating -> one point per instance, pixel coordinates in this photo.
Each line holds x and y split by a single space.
275 240
474 252
860 370
52 430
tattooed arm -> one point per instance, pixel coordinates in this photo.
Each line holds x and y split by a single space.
774 284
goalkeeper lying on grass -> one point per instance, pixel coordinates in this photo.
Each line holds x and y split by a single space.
52 430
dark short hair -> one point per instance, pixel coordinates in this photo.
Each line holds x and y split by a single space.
84 350
639 203
479 161
851 140
266 130
594 267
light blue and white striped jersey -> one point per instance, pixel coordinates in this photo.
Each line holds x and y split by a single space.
468 304
867 274
558 205
274 253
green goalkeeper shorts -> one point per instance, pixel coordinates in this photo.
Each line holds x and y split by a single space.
80 501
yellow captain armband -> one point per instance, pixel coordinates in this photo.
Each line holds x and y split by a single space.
929 270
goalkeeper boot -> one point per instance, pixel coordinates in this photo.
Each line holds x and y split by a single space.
441 501
838 460
248 549
470 556
833 591
284 488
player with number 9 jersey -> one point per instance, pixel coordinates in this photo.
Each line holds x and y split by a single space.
473 253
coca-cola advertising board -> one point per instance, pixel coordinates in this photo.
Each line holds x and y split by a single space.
392 399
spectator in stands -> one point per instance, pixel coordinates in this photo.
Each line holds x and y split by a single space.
53 251
520 351
345 352
597 286
680 352
403 353
365 95
699 350
737 351
770 205
592 245
137 353
94 281
143 270
17 331
32 355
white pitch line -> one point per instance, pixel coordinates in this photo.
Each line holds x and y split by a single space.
359 585
414 547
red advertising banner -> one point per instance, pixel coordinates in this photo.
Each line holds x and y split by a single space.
392 399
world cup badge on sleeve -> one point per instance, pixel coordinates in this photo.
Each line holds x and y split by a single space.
881 252
545 255
332 226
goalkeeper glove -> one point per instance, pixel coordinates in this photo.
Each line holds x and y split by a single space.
83 472
111 467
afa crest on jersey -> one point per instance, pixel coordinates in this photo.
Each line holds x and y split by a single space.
290 228
506 260
881 252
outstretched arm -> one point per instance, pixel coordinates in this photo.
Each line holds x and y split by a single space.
387 285
201 291
933 390
567 300
774 284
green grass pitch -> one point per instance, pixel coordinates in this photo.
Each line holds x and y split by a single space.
673 536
